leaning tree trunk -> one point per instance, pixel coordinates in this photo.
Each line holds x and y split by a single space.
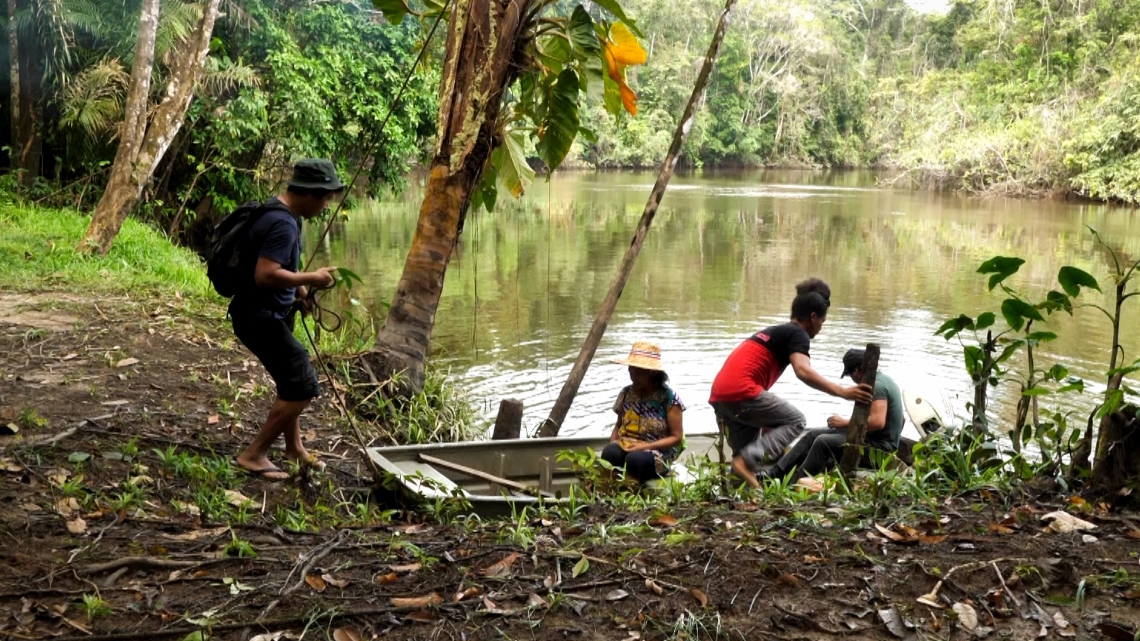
485 42
142 143
586 354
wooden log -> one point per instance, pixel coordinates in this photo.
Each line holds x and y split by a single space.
480 474
508 424
561 407
857 430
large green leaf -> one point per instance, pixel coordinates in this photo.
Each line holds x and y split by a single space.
614 8
1001 268
510 163
1055 301
561 124
1113 399
393 10
1017 311
581 32
1073 279
952 327
985 320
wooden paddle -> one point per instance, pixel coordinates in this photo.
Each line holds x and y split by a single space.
490 478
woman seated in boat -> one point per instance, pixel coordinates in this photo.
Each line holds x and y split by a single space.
648 433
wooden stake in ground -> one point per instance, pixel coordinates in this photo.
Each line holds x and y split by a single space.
508 424
578 372
857 430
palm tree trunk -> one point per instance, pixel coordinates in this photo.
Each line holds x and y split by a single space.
142 143
484 44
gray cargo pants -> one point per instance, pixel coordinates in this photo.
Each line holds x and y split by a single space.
761 429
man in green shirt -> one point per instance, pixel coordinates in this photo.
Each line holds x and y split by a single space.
820 449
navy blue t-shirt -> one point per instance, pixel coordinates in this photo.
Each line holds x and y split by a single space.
275 235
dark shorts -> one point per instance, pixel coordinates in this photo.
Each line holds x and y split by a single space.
271 340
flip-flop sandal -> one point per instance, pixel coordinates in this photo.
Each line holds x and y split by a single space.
264 473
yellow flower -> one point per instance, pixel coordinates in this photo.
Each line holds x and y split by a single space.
622 50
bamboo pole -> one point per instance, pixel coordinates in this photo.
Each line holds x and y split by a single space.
578 372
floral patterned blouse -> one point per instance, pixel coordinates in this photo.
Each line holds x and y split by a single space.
643 420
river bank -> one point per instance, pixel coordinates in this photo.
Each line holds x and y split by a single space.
126 520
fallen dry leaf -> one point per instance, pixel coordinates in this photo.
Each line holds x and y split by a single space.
652 585
1063 522
700 597
213 419
616 595
894 622
814 559
417 601
316 582
77 526
237 499
472 591
663 520
1132 595
502 568
127 362
194 535
405 569
421 616
890 534
385 579
346 634
995 528
336 583
67 507
790 579
1133 534
746 507
535 601
967 615
1088 538
931 539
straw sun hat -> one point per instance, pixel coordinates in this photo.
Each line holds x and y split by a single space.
643 356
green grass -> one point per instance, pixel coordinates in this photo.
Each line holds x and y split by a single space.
37 252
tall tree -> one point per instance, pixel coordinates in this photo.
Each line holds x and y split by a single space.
144 140
490 45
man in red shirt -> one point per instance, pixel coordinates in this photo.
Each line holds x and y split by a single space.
758 424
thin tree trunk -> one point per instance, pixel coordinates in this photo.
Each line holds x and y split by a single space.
857 430
590 346
106 222
14 71
482 59
142 144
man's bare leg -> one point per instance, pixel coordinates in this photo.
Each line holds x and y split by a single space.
283 417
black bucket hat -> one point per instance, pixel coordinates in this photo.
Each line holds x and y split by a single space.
315 173
852 361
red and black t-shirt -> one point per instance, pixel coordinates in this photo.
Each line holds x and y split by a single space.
756 364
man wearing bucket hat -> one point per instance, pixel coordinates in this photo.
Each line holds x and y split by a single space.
758 424
263 311
648 433
819 450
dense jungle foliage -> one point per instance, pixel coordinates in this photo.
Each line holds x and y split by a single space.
998 96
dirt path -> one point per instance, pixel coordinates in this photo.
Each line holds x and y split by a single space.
122 518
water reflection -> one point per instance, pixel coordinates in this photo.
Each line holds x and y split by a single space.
721 262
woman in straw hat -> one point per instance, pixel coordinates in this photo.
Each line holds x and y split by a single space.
648 433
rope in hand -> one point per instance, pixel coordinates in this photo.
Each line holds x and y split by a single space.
311 302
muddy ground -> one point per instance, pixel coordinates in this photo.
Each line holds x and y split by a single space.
106 538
